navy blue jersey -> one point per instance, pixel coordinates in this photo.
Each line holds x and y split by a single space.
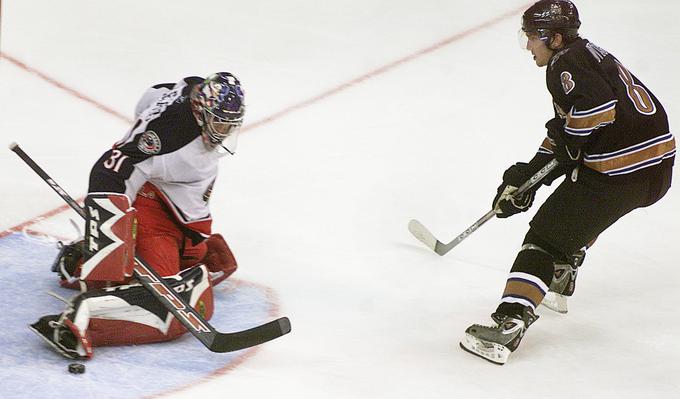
608 113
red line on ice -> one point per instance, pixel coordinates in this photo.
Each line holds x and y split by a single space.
62 86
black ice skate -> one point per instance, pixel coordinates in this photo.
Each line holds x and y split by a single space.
58 332
496 343
563 283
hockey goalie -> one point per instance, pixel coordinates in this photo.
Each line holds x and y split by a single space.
149 196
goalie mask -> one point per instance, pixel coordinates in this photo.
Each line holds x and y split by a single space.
218 106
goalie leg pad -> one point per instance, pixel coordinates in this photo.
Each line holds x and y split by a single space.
129 314
109 238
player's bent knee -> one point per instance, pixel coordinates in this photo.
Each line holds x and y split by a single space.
536 257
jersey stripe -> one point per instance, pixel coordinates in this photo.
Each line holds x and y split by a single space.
633 158
524 288
582 123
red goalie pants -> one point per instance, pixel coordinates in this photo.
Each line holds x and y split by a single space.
160 242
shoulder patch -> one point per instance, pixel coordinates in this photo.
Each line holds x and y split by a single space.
149 143
568 83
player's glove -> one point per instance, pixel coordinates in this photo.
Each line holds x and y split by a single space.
567 155
505 204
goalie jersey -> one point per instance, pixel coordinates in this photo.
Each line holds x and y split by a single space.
609 114
164 148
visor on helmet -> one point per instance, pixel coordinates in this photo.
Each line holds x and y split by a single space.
523 36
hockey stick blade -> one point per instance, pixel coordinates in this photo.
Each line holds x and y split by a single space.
421 232
168 298
197 325
229 342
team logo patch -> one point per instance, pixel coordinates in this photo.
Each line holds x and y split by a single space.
149 143
568 83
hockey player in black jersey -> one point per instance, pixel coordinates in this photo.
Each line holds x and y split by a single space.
611 137
149 196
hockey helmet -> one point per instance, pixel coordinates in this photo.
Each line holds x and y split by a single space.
547 17
218 103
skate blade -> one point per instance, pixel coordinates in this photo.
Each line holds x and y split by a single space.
555 302
489 351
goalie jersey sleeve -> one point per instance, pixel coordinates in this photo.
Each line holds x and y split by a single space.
609 114
164 148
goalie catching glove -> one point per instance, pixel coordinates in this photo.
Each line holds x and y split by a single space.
505 204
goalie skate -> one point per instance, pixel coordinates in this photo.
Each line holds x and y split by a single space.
62 335
496 343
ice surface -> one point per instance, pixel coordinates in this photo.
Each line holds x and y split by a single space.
316 202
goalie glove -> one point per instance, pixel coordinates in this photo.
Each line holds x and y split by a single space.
219 259
215 254
505 204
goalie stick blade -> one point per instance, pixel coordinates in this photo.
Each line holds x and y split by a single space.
423 234
229 342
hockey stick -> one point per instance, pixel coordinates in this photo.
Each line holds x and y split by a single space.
423 234
154 283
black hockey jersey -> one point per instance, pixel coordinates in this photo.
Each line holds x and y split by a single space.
164 147
609 114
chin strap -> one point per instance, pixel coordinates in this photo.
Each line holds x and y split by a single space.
226 149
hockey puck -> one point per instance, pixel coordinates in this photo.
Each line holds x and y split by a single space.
76 368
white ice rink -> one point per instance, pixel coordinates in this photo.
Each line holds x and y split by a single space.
362 114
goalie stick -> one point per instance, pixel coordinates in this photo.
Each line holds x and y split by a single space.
214 340
421 232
